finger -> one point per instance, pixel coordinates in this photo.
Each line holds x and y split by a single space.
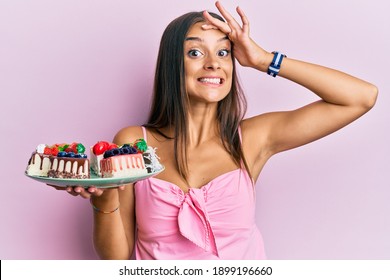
92 189
71 191
244 19
215 23
209 27
85 194
95 191
78 191
233 24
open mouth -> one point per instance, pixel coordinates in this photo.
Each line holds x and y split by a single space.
214 81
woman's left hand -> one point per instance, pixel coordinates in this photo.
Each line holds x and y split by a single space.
245 50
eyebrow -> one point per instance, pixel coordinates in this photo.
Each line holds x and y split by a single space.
201 40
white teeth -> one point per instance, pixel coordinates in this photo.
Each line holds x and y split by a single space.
216 81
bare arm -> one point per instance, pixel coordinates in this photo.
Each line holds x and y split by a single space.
114 233
343 98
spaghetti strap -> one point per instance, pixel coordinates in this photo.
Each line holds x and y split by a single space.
239 135
144 132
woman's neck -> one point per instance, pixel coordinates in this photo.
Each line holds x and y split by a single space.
202 124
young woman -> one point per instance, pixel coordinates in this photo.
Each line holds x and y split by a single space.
202 206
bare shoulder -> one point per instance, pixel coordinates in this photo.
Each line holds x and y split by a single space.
128 134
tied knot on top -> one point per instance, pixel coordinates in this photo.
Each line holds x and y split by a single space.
194 222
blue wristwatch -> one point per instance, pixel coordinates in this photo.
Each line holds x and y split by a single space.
274 67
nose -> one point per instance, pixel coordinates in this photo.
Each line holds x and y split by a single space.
212 63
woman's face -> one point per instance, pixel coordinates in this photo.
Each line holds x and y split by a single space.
208 64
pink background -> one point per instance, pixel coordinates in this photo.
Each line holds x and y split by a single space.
80 70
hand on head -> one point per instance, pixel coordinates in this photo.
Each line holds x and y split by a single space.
246 51
231 27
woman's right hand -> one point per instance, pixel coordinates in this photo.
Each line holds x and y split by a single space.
83 192
247 52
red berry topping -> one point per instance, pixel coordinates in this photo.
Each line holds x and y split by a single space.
72 148
100 147
47 151
54 150
112 146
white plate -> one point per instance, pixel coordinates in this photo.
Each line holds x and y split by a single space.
95 181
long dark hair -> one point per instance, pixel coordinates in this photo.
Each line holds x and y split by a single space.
170 100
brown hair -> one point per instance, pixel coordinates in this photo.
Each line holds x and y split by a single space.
169 106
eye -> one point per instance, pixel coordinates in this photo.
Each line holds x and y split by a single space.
194 53
223 53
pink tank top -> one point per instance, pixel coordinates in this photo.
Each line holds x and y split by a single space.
216 221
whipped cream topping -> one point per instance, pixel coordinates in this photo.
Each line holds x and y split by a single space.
151 155
41 148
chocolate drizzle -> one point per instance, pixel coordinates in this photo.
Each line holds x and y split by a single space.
42 156
79 167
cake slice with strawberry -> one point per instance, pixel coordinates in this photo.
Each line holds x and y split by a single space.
97 154
59 161
109 160
40 161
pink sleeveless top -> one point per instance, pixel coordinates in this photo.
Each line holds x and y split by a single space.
216 221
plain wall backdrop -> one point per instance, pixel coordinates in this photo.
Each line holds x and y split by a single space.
80 70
